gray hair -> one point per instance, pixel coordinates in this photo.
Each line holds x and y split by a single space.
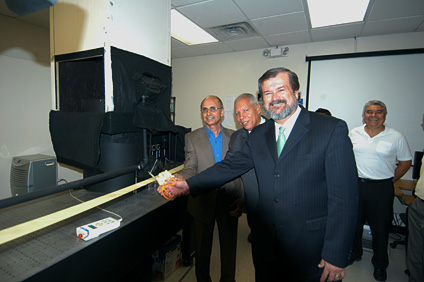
252 99
374 102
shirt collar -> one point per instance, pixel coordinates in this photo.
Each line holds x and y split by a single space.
263 120
288 125
211 134
387 130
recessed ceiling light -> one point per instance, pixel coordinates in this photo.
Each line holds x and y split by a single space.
188 32
334 12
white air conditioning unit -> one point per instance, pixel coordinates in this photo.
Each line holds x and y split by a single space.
32 173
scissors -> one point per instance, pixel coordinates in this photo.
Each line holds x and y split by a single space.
165 193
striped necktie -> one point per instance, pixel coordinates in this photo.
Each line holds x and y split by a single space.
281 141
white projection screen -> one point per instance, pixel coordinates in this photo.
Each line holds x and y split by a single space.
344 83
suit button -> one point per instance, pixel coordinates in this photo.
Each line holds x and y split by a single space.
276 175
276 200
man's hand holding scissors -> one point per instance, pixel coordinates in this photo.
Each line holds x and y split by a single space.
174 187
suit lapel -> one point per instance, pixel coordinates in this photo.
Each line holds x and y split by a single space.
300 128
204 141
270 139
225 141
243 136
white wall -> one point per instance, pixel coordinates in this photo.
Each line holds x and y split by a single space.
25 97
228 75
125 24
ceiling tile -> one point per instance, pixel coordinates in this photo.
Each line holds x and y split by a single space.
281 24
177 44
184 52
255 9
336 32
392 26
213 13
247 44
386 9
289 38
177 3
212 48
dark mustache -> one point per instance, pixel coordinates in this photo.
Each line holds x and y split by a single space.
277 102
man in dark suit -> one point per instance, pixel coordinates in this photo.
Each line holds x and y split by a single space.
248 114
203 148
308 192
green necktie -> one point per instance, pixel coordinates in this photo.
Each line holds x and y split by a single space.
281 141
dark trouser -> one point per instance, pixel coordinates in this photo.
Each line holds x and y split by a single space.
277 271
415 257
275 266
227 230
376 207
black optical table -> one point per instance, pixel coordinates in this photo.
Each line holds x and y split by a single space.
56 254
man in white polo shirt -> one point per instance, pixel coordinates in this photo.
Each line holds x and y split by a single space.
382 157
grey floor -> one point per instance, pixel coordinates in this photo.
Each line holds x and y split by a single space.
359 271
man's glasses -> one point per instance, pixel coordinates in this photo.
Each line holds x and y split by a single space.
212 109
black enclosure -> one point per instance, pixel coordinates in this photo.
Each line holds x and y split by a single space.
88 135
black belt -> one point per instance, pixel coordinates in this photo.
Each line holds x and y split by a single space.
367 180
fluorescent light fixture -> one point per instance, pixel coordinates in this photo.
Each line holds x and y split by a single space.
188 32
334 12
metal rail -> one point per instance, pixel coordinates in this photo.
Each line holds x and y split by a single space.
71 185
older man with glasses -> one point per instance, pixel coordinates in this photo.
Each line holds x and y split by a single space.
203 148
